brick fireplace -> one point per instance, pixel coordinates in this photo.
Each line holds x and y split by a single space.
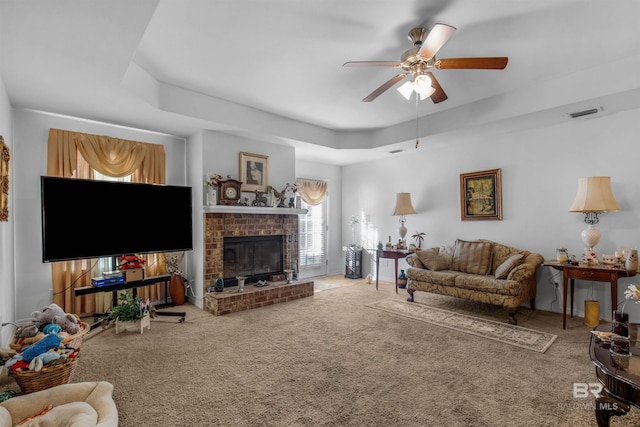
218 225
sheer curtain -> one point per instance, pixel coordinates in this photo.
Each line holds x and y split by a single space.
78 155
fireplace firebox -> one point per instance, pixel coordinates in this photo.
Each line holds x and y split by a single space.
254 257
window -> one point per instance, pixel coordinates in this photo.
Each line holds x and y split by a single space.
313 227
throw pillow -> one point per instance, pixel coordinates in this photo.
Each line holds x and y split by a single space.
414 261
432 260
507 265
472 257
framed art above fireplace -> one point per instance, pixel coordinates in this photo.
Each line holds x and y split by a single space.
254 172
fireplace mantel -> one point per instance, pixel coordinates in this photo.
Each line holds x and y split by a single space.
253 210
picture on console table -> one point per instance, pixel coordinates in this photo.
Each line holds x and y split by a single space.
254 172
481 195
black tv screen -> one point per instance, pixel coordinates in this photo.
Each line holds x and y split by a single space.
91 219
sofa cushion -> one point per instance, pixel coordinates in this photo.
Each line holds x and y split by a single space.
432 259
503 270
487 284
444 277
472 257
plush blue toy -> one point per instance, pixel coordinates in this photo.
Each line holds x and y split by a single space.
52 328
42 346
42 359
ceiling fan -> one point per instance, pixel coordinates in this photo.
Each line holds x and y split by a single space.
420 59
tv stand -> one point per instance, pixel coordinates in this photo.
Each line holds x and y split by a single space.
86 290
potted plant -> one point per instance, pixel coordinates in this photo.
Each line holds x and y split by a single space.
419 237
131 311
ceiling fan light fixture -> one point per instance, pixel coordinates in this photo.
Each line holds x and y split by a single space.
406 89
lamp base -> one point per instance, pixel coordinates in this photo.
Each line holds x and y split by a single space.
402 231
591 236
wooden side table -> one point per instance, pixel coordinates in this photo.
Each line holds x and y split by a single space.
391 254
595 273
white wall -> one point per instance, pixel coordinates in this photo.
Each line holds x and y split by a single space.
7 255
221 154
31 129
540 171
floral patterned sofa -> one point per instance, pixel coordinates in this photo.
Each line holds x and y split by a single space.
479 270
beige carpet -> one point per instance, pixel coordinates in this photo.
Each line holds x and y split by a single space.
328 360
485 328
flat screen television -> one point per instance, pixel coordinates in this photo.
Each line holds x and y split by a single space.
90 219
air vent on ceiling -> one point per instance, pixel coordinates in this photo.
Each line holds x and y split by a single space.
583 113
399 150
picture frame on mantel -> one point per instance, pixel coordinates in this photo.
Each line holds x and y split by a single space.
4 181
481 195
254 172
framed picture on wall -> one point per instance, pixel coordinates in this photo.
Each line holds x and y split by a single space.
254 172
481 195
4 181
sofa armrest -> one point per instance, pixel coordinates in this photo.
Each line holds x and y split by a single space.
527 269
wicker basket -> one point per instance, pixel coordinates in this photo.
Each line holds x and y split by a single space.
74 340
47 377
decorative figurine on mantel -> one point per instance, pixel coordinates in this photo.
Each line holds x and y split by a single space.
260 200
278 198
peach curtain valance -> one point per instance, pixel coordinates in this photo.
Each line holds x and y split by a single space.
109 156
312 191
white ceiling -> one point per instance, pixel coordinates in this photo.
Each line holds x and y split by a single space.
272 70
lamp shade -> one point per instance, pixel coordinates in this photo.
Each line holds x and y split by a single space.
403 204
594 195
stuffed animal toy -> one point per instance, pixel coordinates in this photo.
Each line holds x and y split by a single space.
47 314
54 314
27 331
68 322
42 359
42 346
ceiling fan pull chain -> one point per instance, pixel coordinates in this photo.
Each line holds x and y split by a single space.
417 122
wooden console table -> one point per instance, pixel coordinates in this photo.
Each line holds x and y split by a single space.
596 273
391 254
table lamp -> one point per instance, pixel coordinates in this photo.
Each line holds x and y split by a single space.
594 196
403 207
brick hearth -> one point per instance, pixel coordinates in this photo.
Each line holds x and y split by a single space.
231 301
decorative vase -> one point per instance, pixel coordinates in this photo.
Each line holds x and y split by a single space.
620 323
402 280
289 274
176 289
241 280
218 286
632 260
212 195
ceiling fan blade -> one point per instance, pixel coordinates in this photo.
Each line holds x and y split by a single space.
437 37
495 63
372 64
438 95
392 81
